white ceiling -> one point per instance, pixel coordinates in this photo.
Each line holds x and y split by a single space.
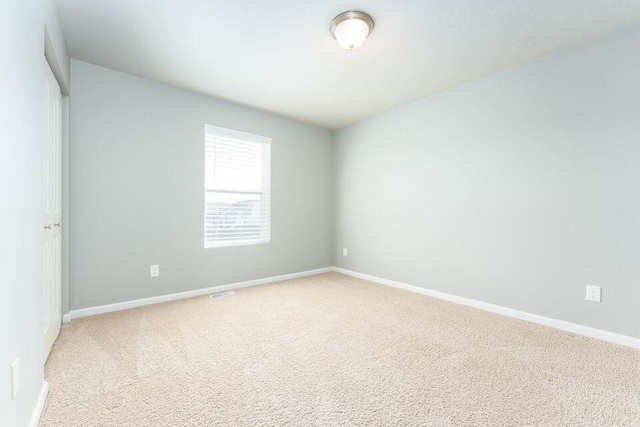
279 56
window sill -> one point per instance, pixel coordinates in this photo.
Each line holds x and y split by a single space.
223 244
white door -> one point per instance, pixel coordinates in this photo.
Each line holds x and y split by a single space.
52 238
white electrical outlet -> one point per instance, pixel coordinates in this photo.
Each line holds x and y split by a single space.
154 271
15 378
594 293
344 252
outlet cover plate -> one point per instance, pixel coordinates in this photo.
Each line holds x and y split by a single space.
154 271
15 378
594 293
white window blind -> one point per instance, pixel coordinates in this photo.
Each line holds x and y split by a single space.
237 188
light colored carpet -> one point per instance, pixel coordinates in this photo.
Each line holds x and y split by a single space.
332 350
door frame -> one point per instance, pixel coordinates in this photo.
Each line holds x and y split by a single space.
55 64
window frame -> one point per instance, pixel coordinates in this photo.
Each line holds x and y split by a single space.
265 192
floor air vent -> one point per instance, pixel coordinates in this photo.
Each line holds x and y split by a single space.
222 294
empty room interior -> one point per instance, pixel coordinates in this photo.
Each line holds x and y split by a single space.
320 213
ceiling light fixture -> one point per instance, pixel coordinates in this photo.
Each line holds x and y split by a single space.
351 28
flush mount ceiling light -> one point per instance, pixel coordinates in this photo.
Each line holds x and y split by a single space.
351 28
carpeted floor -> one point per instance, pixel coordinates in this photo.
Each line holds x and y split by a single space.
332 350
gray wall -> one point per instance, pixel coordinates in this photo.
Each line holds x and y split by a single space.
21 130
22 68
518 189
21 216
136 184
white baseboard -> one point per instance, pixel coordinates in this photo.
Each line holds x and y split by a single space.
37 410
546 321
523 315
84 312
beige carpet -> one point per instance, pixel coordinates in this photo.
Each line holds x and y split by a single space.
332 350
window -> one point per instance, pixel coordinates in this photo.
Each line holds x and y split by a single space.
237 198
